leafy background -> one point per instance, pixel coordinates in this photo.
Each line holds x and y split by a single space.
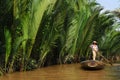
38 33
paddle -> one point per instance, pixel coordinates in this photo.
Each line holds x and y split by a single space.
104 58
98 52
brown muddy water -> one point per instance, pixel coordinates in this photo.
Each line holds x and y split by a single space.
66 72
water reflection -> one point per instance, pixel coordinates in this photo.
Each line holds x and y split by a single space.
66 72
115 72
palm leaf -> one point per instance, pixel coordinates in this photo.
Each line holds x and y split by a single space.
8 40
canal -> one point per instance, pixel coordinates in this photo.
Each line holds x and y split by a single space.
66 72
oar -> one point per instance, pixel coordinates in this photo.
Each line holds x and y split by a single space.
105 58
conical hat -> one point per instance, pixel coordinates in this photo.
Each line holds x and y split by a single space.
94 41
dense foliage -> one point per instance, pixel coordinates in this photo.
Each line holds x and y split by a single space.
37 33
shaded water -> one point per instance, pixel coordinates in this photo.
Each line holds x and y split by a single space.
66 72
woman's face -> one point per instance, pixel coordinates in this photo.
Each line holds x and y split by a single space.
95 43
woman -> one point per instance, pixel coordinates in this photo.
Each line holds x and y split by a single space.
94 47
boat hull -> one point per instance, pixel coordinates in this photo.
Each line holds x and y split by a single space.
92 65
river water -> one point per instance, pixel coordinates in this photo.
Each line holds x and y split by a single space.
66 72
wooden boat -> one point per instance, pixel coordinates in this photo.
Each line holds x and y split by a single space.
92 65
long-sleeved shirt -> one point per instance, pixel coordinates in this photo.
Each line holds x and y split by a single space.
94 47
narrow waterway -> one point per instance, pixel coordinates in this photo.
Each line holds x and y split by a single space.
66 72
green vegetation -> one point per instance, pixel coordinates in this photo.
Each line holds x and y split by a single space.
37 33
